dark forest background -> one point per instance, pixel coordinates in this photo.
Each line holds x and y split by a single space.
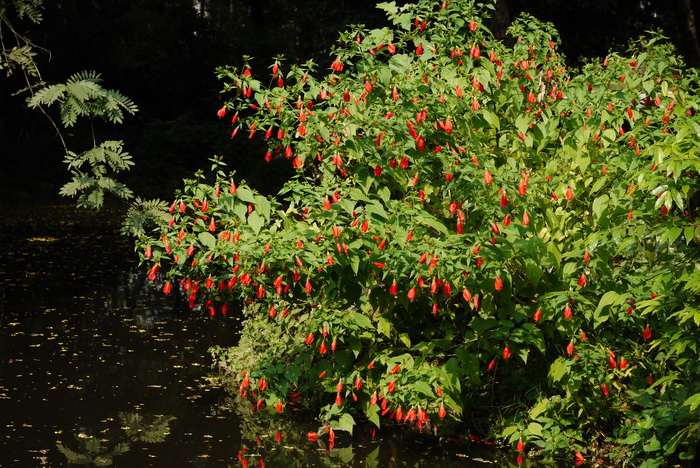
163 54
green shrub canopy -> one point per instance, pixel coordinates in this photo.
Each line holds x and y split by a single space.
476 238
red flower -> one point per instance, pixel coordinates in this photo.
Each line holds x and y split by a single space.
506 353
569 193
337 66
647 333
567 312
538 315
498 284
411 294
570 348
521 445
393 288
582 280
441 412
467 295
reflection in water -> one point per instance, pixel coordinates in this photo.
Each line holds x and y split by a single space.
83 338
88 348
101 450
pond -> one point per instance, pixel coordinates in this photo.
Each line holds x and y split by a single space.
98 368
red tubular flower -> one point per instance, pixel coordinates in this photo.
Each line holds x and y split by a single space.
411 294
569 193
506 353
498 284
441 412
570 348
393 288
582 280
467 295
647 333
567 312
521 445
538 315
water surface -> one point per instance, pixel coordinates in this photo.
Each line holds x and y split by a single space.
97 367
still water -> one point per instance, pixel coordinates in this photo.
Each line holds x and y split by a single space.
97 368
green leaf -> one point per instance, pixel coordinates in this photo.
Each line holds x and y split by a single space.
692 402
384 327
558 369
256 222
535 429
491 118
360 320
345 423
207 239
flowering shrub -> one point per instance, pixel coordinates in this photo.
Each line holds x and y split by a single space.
476 237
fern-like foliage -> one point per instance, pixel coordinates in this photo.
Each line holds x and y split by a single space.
22 57
91 184
150 430
26 8
22 54
144 214
83 96
91 451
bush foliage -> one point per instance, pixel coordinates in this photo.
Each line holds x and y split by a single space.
476 238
